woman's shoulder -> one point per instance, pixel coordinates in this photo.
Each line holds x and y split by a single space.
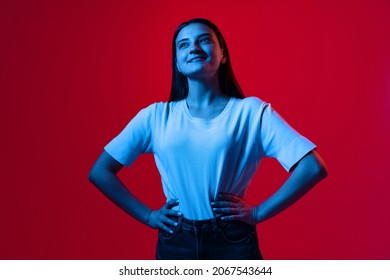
251 103
162 106
159 109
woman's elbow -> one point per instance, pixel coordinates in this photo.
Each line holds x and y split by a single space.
104 167
319 168
322 172
93 176
313 167
97 174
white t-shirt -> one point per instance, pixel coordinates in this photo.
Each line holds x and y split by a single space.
199 158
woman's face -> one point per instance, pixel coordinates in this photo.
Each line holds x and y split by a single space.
198 53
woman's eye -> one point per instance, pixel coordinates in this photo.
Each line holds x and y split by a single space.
205 40
182 45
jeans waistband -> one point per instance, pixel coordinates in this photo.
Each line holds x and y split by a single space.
199 225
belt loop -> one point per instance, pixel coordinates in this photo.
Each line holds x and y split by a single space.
194 226
179 222
215 226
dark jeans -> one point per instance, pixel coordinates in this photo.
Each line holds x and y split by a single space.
209 239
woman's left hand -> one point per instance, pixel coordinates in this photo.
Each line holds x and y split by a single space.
234 208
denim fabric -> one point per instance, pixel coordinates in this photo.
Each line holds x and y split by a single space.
209 239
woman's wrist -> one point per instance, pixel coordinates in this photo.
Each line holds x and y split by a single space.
256 215
147 217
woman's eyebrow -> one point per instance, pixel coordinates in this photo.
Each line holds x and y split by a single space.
201 35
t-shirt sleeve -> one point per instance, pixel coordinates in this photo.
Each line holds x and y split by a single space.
279 140
134 139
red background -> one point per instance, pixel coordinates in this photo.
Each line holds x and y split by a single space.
73 73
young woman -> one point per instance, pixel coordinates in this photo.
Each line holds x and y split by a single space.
208 141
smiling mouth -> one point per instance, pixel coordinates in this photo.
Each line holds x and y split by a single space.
195 59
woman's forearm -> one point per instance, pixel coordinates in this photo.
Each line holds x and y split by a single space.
309 171
112 187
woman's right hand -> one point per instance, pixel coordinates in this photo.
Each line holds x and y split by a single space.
162 218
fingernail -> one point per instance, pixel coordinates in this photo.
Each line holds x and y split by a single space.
171 231
175 224
214 209
180 213
213 203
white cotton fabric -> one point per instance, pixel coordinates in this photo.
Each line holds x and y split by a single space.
199 158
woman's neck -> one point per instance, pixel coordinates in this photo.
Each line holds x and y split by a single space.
202 94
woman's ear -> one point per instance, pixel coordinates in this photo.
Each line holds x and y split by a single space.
224 56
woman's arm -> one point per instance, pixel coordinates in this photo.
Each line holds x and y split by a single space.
104 176
307 173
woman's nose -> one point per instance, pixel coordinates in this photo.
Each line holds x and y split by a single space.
195 48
